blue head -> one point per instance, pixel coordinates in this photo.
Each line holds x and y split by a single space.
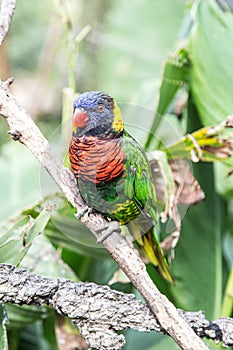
95 113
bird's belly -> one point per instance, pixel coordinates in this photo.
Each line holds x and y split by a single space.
109 199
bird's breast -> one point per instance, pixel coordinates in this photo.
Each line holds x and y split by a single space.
97 160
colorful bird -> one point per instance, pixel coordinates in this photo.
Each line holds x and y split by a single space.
113 173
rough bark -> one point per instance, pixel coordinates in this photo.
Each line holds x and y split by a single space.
98 311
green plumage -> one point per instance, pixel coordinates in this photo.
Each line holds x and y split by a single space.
122 188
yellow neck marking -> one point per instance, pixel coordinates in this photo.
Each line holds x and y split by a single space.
117 124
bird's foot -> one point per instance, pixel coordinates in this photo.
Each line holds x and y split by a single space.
83 211
107 230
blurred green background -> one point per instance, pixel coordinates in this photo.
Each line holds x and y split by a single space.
121 48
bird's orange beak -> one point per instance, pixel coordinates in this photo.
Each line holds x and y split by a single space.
80 119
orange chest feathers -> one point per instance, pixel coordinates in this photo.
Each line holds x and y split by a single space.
96 160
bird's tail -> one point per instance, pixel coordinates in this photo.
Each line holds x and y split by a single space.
149 245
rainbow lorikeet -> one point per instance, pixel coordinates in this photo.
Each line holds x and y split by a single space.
113 173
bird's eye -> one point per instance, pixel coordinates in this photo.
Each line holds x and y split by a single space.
100 108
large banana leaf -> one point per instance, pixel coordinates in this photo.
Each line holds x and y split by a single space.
211 51
198 265
175 75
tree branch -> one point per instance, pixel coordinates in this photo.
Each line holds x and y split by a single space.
6 12
99 311
24 130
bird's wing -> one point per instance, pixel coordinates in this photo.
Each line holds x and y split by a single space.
139 186
138 181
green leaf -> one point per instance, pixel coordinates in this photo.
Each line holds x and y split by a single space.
38 226
32 338
16 241
197 267
211 73
175 74
43 259
227 305
49 330
12 247
21 316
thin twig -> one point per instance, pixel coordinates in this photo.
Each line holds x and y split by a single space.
99 311
6 12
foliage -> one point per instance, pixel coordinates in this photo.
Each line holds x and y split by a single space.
211 83
131 42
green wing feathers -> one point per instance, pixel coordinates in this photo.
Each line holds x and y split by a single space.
139 186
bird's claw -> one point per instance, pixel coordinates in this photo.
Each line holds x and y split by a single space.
83 211
107 230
